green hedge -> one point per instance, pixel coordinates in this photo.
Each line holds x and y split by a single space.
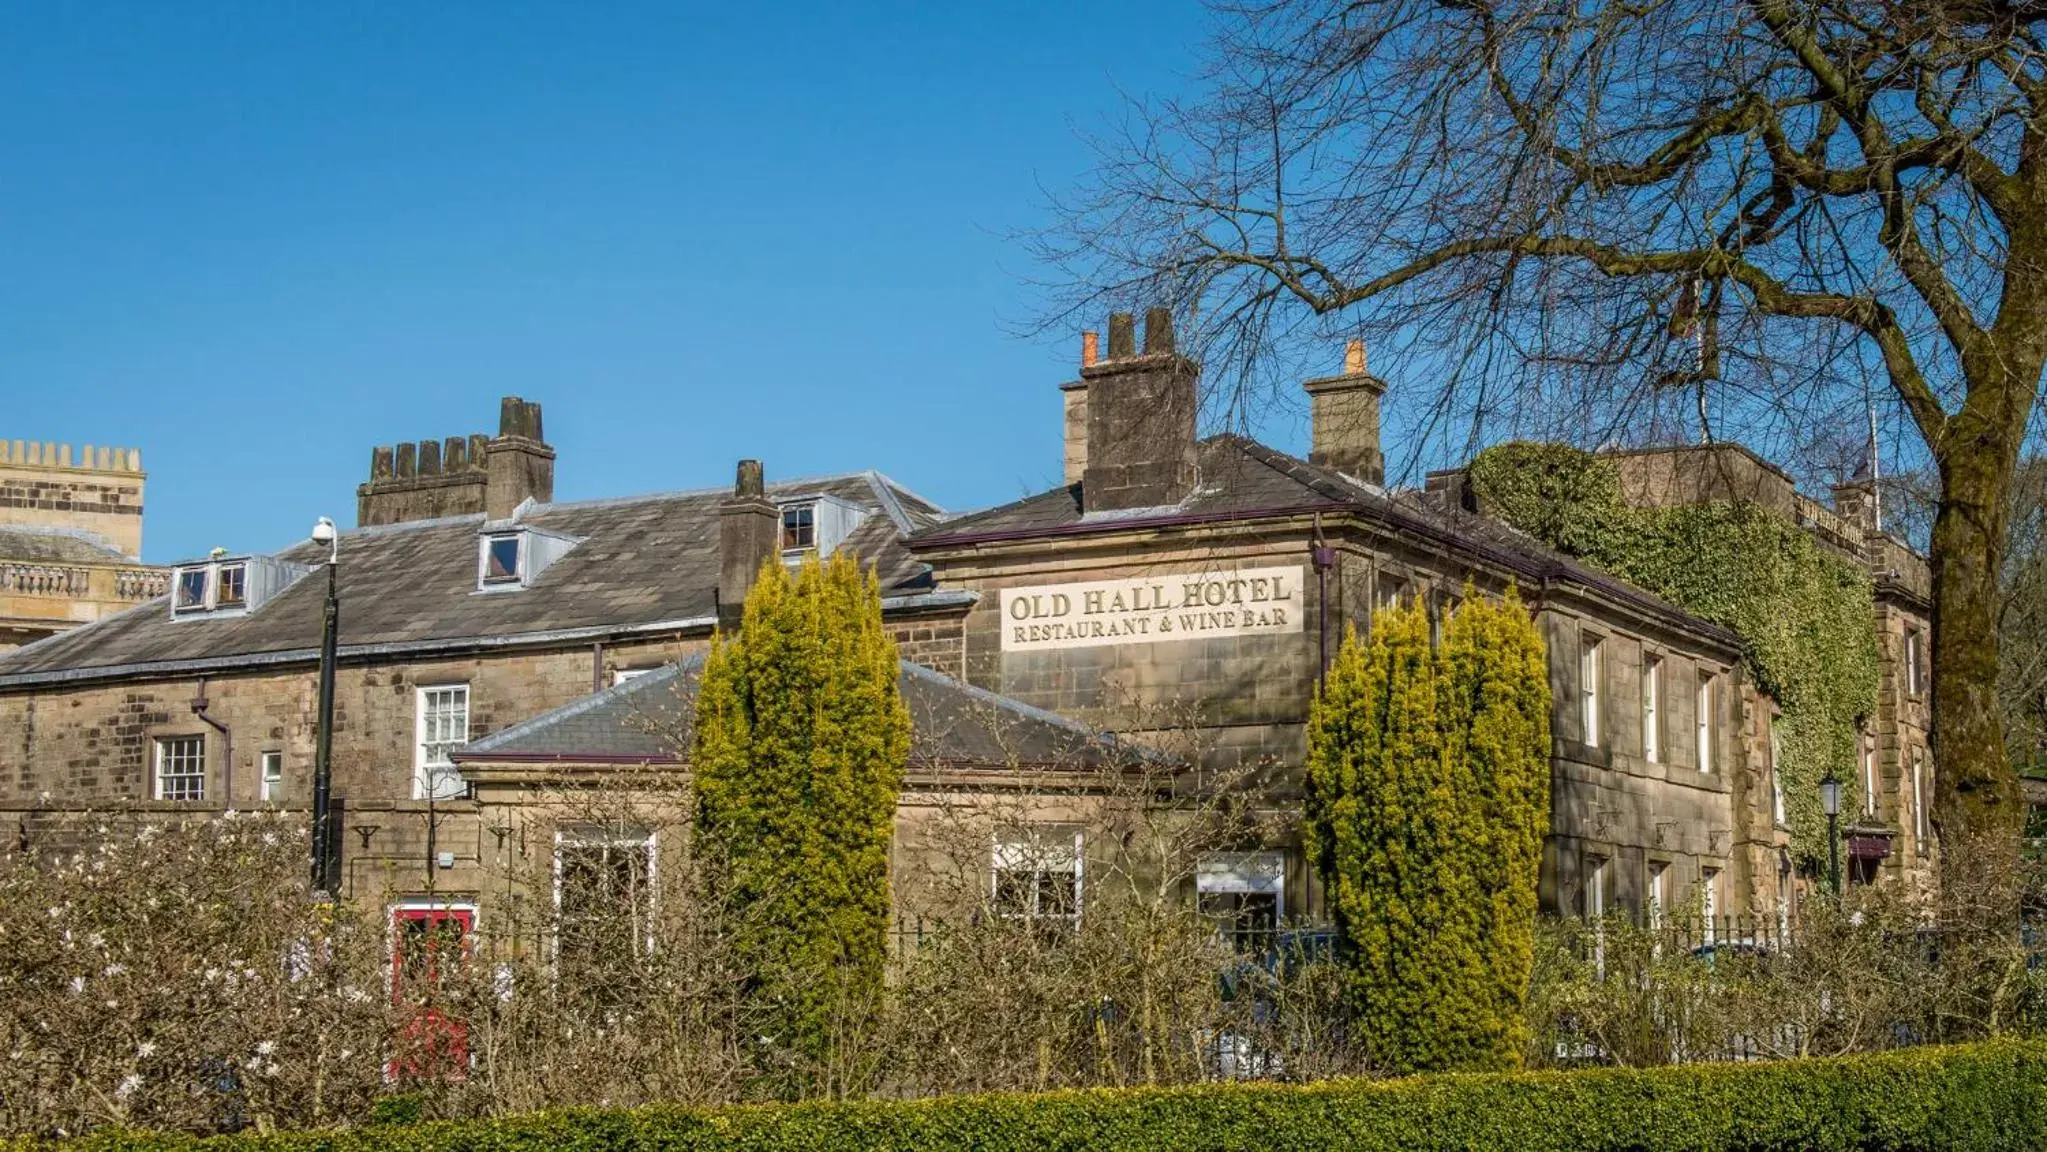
1985 1096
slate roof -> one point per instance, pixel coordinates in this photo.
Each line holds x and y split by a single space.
953 725
1241 479
42 546
643 563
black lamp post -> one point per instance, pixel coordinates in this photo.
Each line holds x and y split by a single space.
1830 803
323 753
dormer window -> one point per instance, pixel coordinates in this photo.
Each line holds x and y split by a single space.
191 590
501 559
508 559
229 586
799 527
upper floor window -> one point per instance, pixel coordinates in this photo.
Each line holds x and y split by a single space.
799 527
1777 776
181 768
1919 795
1707 709
1870 787
209 587
1038 877
443 726
1652 709
501 558
1591 683
508 559
1915 679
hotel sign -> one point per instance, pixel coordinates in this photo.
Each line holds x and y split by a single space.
1146 609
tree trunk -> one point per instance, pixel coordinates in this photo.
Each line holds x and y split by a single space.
1975 792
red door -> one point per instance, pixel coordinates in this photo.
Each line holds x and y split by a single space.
429 947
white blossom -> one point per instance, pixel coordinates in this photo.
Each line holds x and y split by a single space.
127 1086
77 985
145 1050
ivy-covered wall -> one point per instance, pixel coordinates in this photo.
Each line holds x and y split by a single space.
1805 615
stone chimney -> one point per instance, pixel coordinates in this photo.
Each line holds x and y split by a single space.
1138 409
1345 419
1855 502
1076 410
749 533
518 463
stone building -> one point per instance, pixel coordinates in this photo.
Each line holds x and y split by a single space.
70 538
1173 591
469 602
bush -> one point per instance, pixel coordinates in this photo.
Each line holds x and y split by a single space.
1981 1097
1427 800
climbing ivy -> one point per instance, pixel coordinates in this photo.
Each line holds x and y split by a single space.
1804 614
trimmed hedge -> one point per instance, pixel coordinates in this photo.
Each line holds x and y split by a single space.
1983 1096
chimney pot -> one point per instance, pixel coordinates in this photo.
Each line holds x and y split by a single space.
1158 331
1090 348
751 479
1122 335
749 536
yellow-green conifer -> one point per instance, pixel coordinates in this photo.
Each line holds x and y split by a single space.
801 738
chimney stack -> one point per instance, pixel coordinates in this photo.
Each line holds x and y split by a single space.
517 463
1138 413
1076 409
1345 419
749 533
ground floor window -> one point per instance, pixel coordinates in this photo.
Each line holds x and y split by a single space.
1037 875
1245 893
603 895
181 768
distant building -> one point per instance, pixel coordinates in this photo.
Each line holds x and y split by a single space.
70 538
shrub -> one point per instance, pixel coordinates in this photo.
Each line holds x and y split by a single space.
1983 1097
801 738
1428 796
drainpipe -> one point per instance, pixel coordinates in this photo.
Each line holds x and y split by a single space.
1324 558
227 772
597 666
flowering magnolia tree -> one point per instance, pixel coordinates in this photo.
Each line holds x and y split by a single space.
181 977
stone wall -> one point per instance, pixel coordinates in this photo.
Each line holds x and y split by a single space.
97 490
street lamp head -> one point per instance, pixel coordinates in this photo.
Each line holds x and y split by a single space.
323 531
1830 795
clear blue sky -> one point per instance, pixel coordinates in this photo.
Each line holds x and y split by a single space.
256 240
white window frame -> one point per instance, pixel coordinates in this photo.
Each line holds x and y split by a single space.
1042 852
269 774
1591 684
1777 777
485 582
1919 795
1387 590
1871 787
1598 886
1652 709
1709 899
1705 702
1914 654
424 772
209 574
783 528
217 578
1659 891
649 842
164 757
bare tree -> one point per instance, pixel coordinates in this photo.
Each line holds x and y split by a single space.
1676 216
